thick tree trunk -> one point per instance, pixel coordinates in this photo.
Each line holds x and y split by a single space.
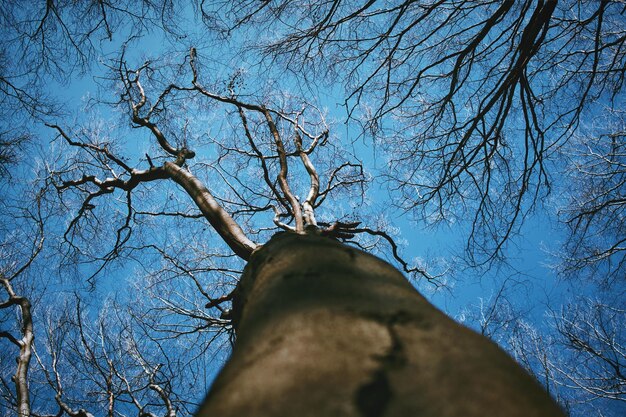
324 329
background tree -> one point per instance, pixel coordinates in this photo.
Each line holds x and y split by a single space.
18 250
576 352
594 209
57 41
104 369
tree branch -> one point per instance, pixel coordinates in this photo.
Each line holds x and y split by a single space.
221 221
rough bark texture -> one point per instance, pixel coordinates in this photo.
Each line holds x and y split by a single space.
324 329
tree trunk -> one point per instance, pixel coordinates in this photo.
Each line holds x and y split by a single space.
324 329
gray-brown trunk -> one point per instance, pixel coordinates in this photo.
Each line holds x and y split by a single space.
324 329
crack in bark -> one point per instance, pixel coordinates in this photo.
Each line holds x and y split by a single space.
373 397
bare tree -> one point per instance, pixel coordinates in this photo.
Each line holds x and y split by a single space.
16 259
195 182
581 360
58 39
496 316
23 343
268 170
577 352
105 368
10 147
592 333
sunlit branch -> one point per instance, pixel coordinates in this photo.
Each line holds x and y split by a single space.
221 221
278 222
261 157
282 175
309 202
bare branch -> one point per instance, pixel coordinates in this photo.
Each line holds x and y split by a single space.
221 221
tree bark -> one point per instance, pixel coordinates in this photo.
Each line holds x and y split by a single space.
324 329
